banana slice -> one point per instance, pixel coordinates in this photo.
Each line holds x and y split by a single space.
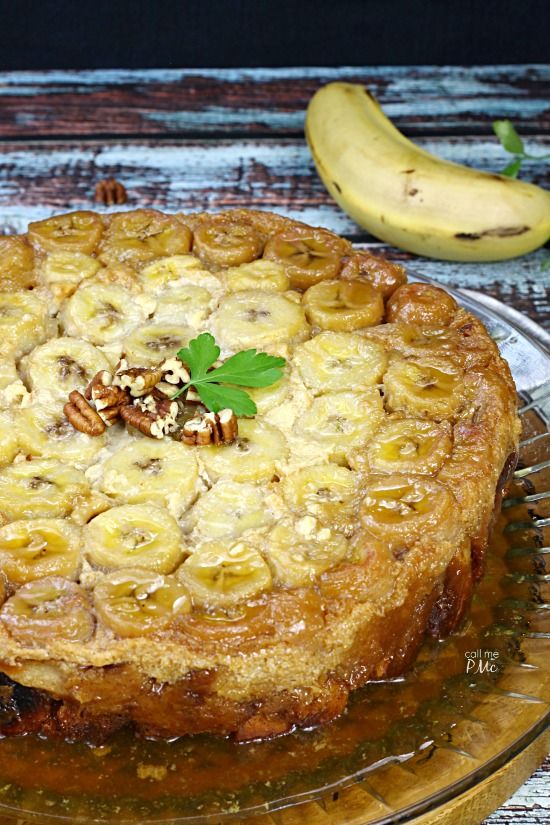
102 313
139 236
298 553
138 602
150 344
338 422
220 241
16 263
343 306
61 365
48 610
410 445
258 319
62 272
267 398
308 255
41 488
188 305
219 574
426 387
404 508
325 491
421 304
9 442
333 361
13 393
36 548
253 456
384 275
227 510
43 430
134 535
72 232
24 323
177 271
150 471
264 275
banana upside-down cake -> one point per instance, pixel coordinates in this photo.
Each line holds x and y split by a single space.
244 468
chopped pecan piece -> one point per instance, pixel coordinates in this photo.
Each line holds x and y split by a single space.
82 415
107 399
174 372
211 428
110 192
152 416
137 380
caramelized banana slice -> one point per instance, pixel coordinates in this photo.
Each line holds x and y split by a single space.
164 473
48 610
150 344
343 305
333 361
39 488
403 508
220 574
138 602
72 232
176 271
427 387
298 553
308 255
253 456
338 422
223 242
16 264
45 431
62 272
101 313
384 275
61 365
410 445
186 305
421 304
267 276
36 548
325 491
134 536
258 319
140 236
228 509
24 323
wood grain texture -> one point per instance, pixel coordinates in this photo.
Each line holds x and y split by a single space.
530 805
421 99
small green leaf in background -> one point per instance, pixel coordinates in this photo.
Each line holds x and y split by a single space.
217 398
511 171
506 133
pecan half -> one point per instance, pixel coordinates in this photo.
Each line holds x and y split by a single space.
174 372
110 191
211 428
82 415
137 380
152 415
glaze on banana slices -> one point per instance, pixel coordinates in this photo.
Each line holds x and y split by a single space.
269 567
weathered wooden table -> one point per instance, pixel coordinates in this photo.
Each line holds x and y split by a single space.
212 139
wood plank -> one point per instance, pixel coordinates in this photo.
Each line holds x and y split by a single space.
421 99
44 178
530 805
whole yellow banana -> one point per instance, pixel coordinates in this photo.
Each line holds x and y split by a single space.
412 199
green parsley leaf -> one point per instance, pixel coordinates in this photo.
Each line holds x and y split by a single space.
511 171
248 368
200 354
506 133
217 398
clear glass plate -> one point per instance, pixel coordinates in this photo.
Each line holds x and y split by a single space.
403 746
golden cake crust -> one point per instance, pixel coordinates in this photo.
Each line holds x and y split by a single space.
290 653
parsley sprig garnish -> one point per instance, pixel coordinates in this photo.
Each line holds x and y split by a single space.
248 368
511 141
